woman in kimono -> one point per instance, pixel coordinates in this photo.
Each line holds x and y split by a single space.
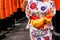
39 14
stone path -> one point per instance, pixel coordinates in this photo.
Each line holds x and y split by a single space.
19 33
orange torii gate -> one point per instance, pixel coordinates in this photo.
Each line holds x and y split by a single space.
7 7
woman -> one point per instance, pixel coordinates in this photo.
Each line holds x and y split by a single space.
40 13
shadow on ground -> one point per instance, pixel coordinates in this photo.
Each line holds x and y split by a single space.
19 33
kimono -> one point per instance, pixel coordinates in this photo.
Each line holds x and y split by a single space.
39 14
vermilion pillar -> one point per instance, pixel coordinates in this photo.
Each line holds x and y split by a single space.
7 7
57 4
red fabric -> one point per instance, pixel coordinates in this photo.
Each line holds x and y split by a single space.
34 17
